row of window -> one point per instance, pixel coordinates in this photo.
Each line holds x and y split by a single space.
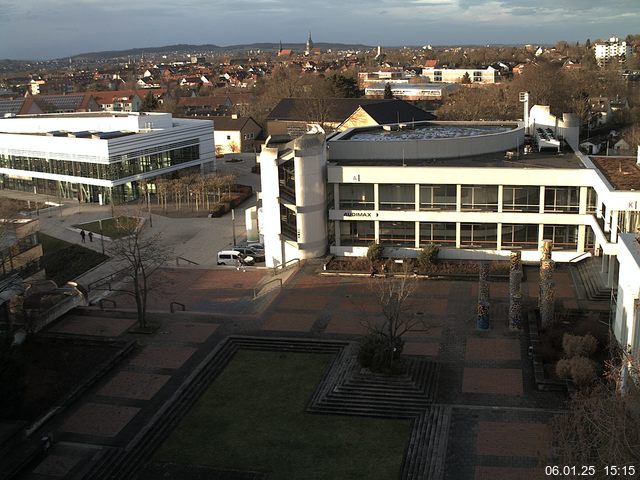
472 235
472 198
113 171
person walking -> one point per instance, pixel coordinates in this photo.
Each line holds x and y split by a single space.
83 236
91 236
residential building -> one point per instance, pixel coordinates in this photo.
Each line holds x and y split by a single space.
119 100
294 116
20 250
461 75
38 104
612 50
411 91
235 134
100 156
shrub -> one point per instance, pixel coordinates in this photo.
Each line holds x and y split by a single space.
583 371
579 369
428 256
576 345
375 252
377 354
563 368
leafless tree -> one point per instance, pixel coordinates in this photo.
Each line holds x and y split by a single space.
143 254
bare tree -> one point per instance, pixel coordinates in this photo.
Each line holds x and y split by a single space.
395 297
142 254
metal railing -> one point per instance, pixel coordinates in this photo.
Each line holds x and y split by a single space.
186 260
102 300
262 290
285 265
172 306
107 279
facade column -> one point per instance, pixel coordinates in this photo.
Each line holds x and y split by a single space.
582 201
417 235
614 226
458 198
499 236
336 233
376 198
336 196
500 198
581 238
541 209
611 272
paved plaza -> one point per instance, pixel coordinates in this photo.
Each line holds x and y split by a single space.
500 424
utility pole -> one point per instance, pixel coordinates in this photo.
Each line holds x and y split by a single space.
233 225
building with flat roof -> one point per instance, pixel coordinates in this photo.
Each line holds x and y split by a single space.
478 190
100 156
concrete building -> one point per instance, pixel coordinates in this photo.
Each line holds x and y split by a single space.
478 190
235 134
411 91
100 156
612 50
458 75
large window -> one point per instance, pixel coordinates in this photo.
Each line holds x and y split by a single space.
399 234
564 237
437 197
288 223
443 234
520 236
397 197
592 200
520 199
479 235
356 196
480 197
286 175
561 199
356 233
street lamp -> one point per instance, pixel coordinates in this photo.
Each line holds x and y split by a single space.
149 206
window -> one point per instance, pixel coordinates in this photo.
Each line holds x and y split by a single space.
228 137
479 235
356 196
399 234
520 236
443 234
561 199
520 199
592 200
286 175
437 197
397 197
288 223
564 237
480 197
356 233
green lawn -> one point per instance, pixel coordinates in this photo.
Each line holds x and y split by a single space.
111 227
64 261
252 418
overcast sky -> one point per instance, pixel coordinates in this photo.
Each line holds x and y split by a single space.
38 29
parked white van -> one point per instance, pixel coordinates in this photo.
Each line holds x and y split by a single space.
234 258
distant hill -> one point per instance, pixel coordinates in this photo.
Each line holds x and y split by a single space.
194 49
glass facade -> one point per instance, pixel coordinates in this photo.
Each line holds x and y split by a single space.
561 199
520 236
438 197
286 176
399 234
288 223
564 237
592 200
356 196
443 234
397 197
482 198
479 235
353 233
520 199
122 166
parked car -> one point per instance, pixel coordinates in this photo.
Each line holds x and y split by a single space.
234 258
258 255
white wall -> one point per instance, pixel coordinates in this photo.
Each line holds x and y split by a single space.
627 319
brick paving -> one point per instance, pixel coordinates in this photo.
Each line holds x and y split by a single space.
493 381
139 386
97 419
513 439
481 371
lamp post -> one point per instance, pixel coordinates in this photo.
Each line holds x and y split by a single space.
233 225
149 206
101 236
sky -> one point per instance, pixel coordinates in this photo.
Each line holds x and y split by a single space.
45 29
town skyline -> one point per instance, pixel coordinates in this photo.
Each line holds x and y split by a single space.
55 29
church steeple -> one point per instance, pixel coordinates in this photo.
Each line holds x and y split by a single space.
309 45
280 49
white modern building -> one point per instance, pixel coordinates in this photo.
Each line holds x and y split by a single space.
612 49
411 91
478 190
458 75
99 156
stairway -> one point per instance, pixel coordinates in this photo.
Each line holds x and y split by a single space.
587 273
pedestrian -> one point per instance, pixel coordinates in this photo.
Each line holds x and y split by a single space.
82 236
91 236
